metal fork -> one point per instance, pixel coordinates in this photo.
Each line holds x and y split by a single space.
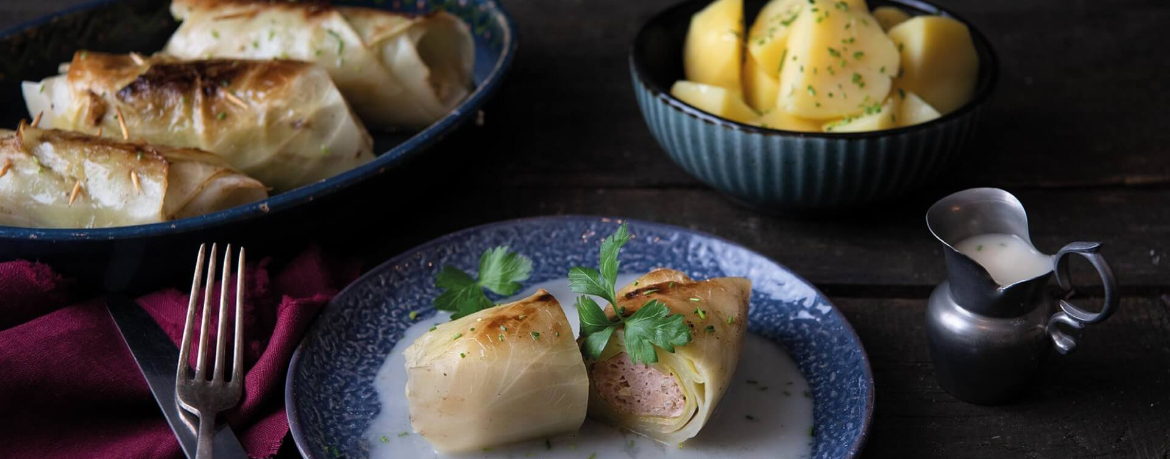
203 397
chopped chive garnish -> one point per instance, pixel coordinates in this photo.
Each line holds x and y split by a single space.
222 115
731 320
403 434
413 315
472 329
433 328
701 313
501 336
536 336
457 336
462 355
647 292
522 316
710 329
503 328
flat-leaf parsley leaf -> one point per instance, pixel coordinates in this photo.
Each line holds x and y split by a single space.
651 326
500 271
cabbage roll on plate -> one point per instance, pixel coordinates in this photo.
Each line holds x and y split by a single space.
398 70
671 400
60 179
502 375
282 122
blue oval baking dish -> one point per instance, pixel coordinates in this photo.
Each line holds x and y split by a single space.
33 50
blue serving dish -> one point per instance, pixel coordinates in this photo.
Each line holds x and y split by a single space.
34 49
330 395
787 171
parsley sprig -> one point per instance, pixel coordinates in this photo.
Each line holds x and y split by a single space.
651 326
500 271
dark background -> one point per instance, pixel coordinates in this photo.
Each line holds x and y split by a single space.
1078 130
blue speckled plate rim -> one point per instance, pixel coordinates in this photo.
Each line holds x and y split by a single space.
294 424
393 157
981 96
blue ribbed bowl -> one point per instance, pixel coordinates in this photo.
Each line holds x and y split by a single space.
795 171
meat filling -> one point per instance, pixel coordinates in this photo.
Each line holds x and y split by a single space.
638 389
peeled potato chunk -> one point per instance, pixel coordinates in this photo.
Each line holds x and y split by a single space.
913 110
759 88
768 36
780 119
875 118
716 100
714 45
939 62
839 61
889 16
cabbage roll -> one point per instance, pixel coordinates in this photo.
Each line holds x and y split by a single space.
672 399
282 122
398 71
61 179
504 374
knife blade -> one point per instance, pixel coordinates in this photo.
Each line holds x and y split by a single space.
157 357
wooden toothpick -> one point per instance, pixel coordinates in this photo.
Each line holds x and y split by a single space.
37 120
76 191
122 124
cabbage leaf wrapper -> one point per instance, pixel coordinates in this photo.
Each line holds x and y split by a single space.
398 70
502 375
61 179
282 122
671 400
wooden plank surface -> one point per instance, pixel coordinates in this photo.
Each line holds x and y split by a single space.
1076 129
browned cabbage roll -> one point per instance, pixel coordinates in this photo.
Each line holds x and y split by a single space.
282 122
672 399
504 374
397 70
61 179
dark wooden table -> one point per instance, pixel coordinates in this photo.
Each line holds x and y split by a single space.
1078 130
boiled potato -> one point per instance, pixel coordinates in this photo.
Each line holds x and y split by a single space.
769 34
939 62
889 16
780 119
839 61
874 118
716 100
759 88
714 45
913 110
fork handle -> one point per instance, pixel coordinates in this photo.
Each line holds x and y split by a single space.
206 448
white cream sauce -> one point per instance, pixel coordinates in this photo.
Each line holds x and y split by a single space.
1006 257
768 387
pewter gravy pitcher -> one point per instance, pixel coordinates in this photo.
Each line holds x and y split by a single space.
988 341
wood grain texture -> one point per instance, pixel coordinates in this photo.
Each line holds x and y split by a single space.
1076 129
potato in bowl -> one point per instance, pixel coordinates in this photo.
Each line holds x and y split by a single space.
826 65
781 162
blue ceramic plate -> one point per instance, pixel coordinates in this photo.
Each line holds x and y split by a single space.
34 49
330 394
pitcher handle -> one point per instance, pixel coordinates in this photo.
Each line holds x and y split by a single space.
1069 314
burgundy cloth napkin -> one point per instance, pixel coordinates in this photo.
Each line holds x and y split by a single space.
69 387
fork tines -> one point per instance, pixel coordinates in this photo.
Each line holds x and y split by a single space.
198 393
